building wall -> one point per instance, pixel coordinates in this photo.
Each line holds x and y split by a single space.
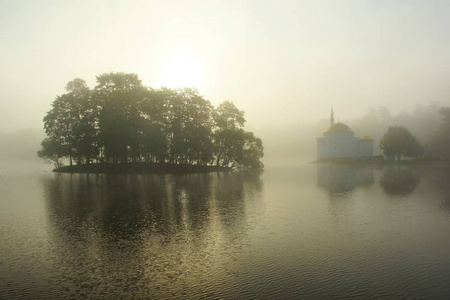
365 148
321 148
340 144
343 145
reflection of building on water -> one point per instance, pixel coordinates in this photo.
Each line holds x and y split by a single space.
339 141
342 178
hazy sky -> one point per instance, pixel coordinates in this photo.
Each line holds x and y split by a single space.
280 61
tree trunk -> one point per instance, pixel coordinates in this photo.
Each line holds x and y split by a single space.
218 158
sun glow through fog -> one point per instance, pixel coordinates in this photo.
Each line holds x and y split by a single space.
181 71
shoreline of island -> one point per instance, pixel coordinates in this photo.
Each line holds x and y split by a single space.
141 168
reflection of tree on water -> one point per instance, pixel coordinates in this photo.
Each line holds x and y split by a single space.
399 182
437 177
342 179
122 204
146 230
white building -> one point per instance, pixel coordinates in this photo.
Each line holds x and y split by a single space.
339 141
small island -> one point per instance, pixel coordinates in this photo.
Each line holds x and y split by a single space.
141 168
121 126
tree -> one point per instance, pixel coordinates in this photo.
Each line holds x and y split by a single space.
415 148
51 152
233 145
398 141
228 133
117 82
117 96
154 111
228 116
230 147
84 128
253 151
71 123
59 124
198 128
120 126
439 143
121 121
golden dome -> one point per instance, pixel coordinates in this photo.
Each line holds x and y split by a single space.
366 138
339 127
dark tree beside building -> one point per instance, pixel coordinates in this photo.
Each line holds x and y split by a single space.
398 141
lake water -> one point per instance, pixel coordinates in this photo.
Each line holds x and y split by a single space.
302 231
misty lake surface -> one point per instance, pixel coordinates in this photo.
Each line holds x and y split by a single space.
299 231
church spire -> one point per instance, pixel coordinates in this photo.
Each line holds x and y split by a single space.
332 116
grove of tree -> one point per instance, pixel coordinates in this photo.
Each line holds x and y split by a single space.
439 142
398 141
122 121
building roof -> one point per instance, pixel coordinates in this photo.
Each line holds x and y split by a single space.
365 138
339 127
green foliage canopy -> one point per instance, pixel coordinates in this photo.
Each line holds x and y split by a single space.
398 141
439 143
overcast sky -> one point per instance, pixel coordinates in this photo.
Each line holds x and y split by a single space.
280 61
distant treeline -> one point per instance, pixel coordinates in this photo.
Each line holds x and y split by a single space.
121 121
423 134
439 142
429 124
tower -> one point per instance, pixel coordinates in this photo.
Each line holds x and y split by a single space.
332 117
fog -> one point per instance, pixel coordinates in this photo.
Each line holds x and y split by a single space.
283 143
18 151
297 141
285 63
